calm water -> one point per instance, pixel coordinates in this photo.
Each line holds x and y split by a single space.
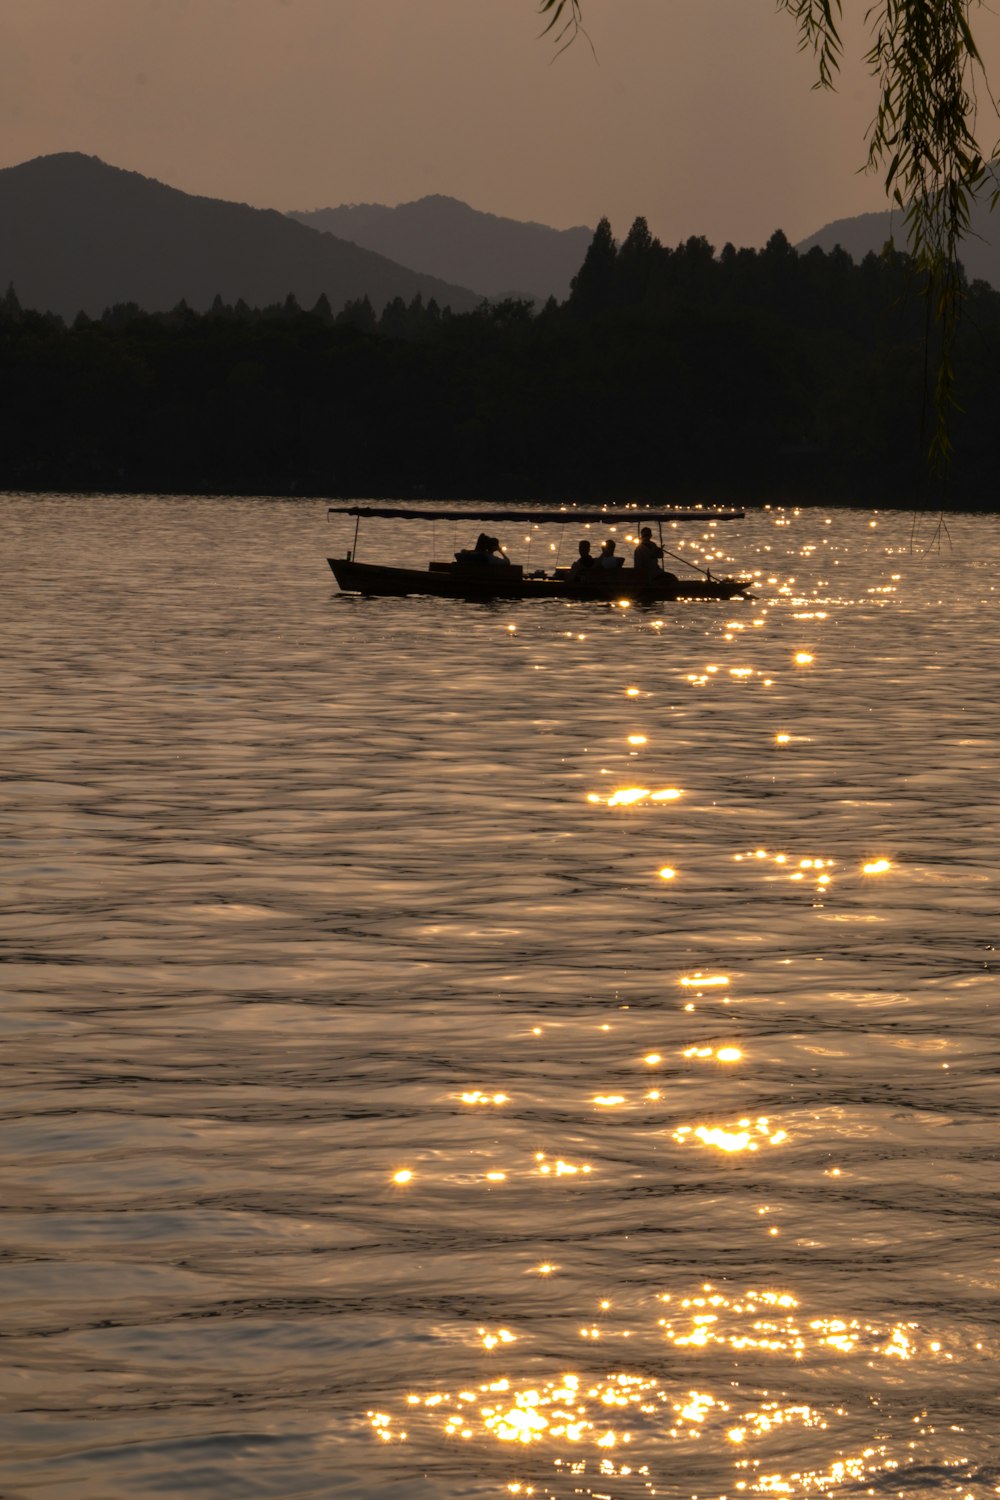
563 911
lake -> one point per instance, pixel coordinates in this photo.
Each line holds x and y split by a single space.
535 1049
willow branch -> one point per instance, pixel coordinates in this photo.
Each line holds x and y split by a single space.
923 137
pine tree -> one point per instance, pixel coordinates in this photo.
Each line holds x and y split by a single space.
592 288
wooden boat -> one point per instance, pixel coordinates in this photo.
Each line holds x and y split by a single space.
472 575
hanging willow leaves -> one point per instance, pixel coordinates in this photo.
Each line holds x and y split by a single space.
923 137
565 19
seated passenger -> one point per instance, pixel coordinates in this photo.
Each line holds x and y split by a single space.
583 564
486 553
495 553
648 556
607 561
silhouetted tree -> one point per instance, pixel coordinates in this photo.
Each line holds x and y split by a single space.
10 306
745 376
322 308
635 265
592 289
923 135
359 314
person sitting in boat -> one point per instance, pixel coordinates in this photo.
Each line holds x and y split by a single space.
607 561
583 564
486 553
495 555
648 557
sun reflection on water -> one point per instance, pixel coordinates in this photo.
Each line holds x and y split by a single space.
630 796
813 867
609 1421
745 1135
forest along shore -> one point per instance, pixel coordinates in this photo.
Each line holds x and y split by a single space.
667 374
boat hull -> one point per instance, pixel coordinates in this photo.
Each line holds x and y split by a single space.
375 581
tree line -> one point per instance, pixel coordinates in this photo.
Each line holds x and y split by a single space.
674 374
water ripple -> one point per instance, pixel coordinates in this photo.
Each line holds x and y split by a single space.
458 1050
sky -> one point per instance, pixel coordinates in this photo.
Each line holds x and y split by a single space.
698 114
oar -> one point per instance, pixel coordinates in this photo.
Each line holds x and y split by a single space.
677 558
676 555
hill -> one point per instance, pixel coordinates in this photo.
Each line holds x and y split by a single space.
980 252
445 237
77 234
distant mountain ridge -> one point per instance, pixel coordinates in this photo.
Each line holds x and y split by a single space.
77 234
442 236
979 253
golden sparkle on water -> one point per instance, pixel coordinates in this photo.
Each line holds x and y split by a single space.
558 1168
402 1176
492 1340
620 1420
629 796
720 1054
876 867
810 867
745 1135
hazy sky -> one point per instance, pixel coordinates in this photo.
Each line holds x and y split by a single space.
697 113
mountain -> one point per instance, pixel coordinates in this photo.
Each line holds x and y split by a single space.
980 252
78 234
444 237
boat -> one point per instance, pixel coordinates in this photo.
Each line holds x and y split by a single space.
472 575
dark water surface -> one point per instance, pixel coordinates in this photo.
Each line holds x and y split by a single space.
307 893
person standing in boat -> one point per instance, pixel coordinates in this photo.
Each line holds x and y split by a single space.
582 564
648 557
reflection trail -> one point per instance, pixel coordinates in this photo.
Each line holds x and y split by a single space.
630 1424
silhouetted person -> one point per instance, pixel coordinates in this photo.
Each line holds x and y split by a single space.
479 556
648 557
485 554
607 561
582 564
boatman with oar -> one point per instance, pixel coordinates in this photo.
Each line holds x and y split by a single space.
648 557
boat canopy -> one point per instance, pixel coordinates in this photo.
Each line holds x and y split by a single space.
572 517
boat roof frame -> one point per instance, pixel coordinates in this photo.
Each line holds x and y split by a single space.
570 517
